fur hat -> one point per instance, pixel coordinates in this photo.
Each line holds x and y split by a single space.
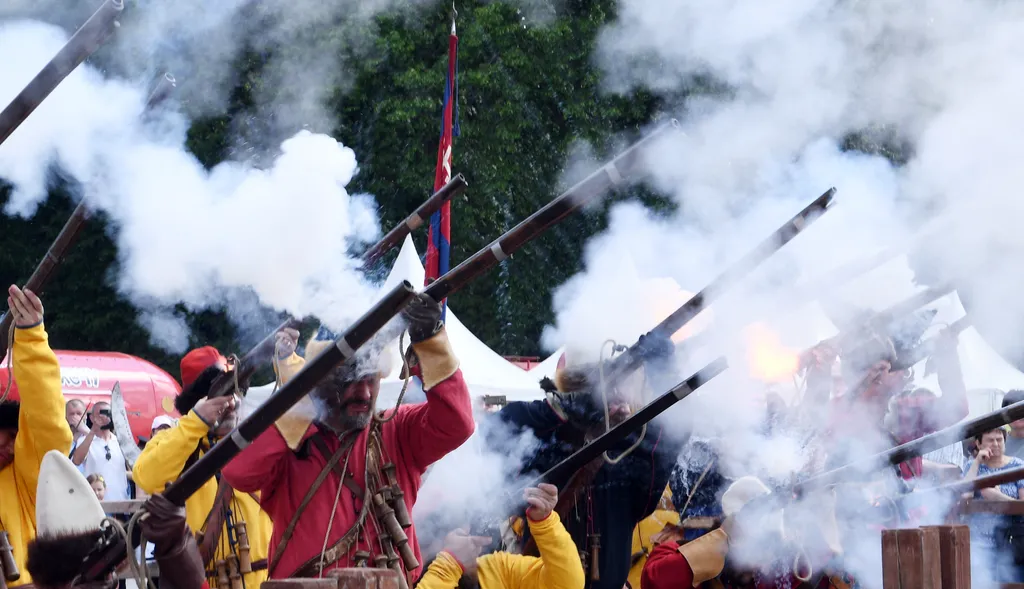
325 338
198 389
9 411
68 520
197 361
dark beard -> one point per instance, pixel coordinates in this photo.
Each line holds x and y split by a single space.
340 422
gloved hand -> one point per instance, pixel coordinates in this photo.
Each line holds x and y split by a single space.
655 346
423 317
174 546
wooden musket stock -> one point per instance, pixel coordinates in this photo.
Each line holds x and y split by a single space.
79 47
613 173
105 559
453 188
631 359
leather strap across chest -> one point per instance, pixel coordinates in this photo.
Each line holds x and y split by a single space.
332 463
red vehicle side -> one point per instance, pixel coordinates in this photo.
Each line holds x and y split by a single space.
90 376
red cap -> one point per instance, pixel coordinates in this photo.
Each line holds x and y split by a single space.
196 361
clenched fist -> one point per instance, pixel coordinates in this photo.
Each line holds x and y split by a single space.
465 548
542 500
26 306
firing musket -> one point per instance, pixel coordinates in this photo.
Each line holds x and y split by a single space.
915 448
112 548
928 348
630 360
986 482
76 222
453 188
881 320
79 47
262 352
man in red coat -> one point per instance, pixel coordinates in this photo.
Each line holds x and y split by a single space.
326 480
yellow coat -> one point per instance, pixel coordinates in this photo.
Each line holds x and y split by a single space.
163 460
558 567
41 428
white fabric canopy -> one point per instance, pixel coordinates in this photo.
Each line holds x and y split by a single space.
547 367
486 372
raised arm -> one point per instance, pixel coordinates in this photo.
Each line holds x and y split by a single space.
259 466
430 430
41 423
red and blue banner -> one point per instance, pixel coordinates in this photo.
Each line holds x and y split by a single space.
438 260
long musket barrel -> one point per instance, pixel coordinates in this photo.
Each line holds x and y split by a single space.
985 482
918 447
631 359
633 423
163 89
102 561
927 348
82 44
263 350
69 233
453 188
613 173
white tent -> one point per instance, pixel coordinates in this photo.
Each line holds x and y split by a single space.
547 367
486 372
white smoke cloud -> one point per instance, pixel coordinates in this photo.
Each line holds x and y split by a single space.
774 93
185 234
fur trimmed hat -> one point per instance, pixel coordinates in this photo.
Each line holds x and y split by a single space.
9 412
68 520
197 361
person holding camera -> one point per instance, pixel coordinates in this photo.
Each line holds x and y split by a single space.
99 453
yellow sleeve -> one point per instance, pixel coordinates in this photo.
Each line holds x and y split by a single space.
41 423
285 369
443 573
558 567
164 456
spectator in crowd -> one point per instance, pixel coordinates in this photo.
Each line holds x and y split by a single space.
98 485
1015 439
99 453
74 412
992 535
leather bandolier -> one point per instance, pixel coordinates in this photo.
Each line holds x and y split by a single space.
382 500
227 572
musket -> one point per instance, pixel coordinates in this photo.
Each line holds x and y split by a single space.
928 348
86 40
161 91
453 188
915 448
882 319
258 355
112 549
561 472
69 233
630 360
614 173
986 482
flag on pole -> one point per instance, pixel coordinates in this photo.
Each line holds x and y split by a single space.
439 238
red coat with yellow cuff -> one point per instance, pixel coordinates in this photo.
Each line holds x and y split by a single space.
283 468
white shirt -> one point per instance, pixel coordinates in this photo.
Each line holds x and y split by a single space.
113 470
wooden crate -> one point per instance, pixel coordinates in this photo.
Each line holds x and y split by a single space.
930 557
353 578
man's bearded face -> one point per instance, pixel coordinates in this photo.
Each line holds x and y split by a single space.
347 400
7 447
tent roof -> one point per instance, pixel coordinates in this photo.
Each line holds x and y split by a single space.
548 366
485 371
